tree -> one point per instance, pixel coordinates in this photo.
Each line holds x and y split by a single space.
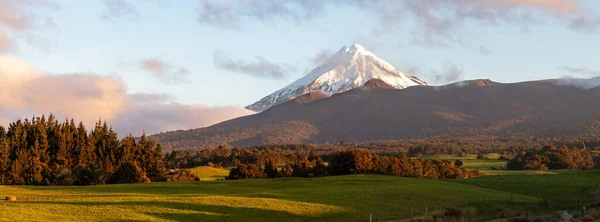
459 163
271 169
128 172
92 174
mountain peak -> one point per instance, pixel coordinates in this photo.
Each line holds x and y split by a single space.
349 68
356 48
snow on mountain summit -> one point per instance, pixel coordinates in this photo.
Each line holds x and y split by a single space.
348 68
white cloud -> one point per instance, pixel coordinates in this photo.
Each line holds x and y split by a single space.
25 91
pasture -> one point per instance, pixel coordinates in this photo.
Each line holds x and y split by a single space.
501 194
338 198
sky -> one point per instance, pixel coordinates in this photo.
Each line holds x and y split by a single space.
158 65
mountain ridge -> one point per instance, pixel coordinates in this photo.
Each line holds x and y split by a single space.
535 108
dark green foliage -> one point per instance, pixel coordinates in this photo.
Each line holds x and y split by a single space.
44 151
271 169
554 158
65 178
302 168
247 171
128 172
182 175
459 163
92 174
350 162
287 170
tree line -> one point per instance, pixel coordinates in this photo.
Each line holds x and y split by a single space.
253 163
44 151
554 158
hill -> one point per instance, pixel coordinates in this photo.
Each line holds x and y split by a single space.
477 108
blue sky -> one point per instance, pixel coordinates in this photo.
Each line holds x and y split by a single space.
514 40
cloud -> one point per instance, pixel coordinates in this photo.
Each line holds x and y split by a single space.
153 118
483 50
116 9
19 17
586 24
584 71
86 97
260 68
6 44
581 83
436 20
552 6
229 14
25 91
450 73
321 57
145 97
164 71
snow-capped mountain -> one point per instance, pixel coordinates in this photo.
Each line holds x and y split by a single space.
348 68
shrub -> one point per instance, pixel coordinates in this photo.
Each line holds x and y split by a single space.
129 173
271 169
459 163
287 170
183 175
91 174
246 171
65 178
535 165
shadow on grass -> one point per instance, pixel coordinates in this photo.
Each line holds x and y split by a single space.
199 212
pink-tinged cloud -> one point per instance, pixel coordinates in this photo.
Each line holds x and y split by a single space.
554 6
19 17
164 71
437 21
25 91
5 43
162 117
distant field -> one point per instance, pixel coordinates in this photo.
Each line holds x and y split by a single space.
339 198
209 173
483 164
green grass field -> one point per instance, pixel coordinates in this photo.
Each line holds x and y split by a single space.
340 198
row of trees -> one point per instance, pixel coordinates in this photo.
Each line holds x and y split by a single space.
352 162
225 157
554 158
44 151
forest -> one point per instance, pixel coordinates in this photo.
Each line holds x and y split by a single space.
44 151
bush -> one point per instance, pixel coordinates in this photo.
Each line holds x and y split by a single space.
287 170
459 163
535 165
65 178
91 174
129 173
246 171
183 175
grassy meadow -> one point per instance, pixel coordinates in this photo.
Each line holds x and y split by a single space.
339 198
336 198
